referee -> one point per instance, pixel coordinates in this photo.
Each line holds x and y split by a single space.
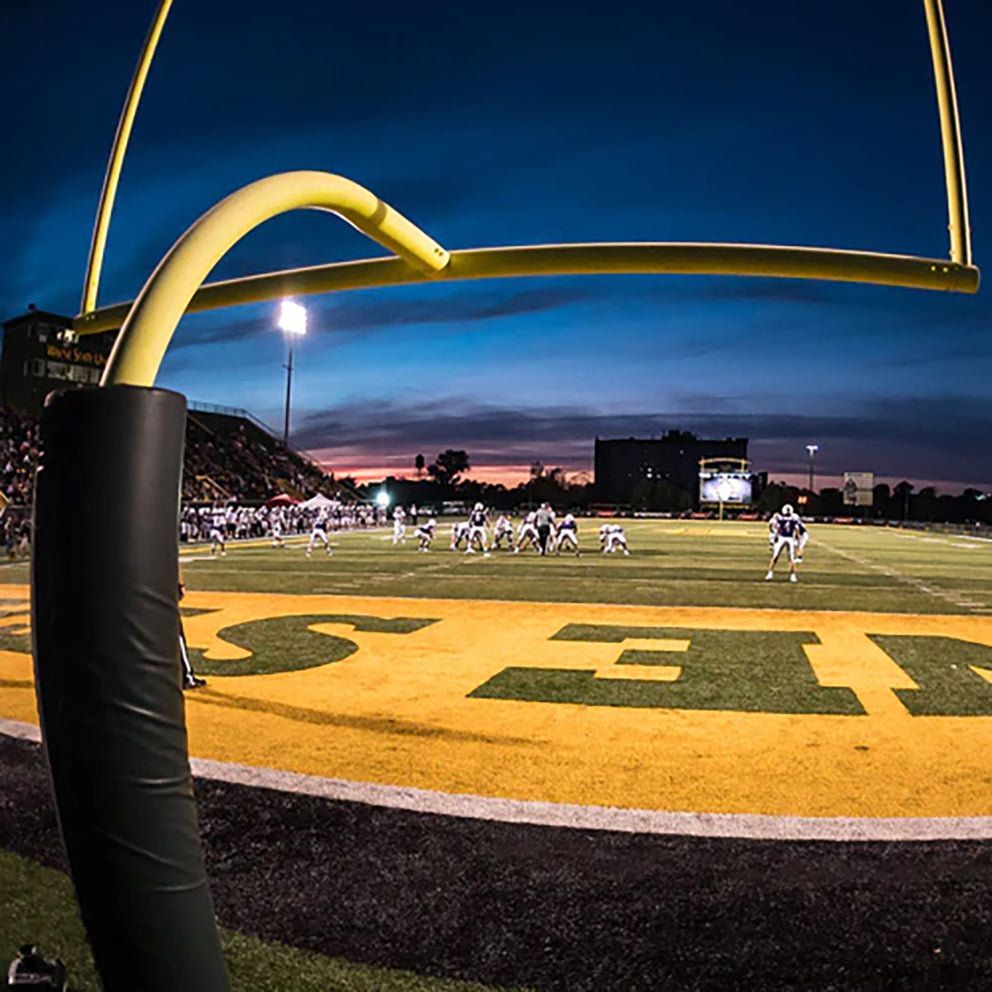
543 520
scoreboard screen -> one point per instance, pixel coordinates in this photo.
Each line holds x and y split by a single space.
726 487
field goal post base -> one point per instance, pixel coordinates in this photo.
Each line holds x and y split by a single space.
105 624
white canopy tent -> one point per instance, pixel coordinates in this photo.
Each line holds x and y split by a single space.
318 502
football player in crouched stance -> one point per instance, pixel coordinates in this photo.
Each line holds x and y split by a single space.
477 530
503 531
611 538
786 526
459 533
425 535
527 533
567 534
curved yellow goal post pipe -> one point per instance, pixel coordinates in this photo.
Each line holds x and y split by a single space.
98 242
950 134
145 334
582 259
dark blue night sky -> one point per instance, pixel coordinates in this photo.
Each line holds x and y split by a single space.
523 123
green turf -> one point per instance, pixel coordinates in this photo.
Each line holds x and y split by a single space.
672 563
38 905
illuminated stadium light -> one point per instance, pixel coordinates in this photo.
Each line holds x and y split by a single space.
292 317
382 498
293 323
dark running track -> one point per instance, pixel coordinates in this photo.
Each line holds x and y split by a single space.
558 909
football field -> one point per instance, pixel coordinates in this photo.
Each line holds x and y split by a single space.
673 680
673 563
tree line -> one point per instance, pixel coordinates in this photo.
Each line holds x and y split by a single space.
447 478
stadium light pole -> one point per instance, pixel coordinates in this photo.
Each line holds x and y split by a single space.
811 450
293 324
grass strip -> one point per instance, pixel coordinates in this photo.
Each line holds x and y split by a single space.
38 905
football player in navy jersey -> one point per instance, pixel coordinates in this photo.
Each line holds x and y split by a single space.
568 533
425 535
477 530
786 526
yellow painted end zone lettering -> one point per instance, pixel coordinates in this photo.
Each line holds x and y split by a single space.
398 710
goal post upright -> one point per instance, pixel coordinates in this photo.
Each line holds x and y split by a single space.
950 134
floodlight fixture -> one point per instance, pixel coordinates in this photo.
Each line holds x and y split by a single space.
293 323
292 317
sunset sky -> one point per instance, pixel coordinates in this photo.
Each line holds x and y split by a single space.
525 123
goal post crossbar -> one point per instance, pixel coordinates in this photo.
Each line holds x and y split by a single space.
647 258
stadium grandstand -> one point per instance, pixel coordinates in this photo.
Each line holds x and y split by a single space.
230 454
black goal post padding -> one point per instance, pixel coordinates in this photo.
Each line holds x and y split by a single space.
105 623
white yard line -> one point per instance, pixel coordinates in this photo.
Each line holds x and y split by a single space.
936 592
948 539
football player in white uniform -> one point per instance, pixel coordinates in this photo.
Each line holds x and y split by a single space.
503 530
801 542
399 526
425 535
568 533
477 530
275 524
612 537
786 526
319 533
217 525
527 533
459 533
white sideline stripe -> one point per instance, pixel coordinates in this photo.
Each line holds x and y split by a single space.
22 731
748 826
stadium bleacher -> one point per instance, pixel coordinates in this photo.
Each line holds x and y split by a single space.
229 455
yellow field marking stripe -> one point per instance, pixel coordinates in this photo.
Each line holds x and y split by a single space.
563 815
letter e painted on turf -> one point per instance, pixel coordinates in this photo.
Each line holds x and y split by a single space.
732 670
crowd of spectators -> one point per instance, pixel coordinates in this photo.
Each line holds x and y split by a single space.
241 522
18 456
227 461
18 461
237 460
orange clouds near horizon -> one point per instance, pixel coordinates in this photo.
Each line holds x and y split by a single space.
507 475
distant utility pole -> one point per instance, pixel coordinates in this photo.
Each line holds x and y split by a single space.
811 450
